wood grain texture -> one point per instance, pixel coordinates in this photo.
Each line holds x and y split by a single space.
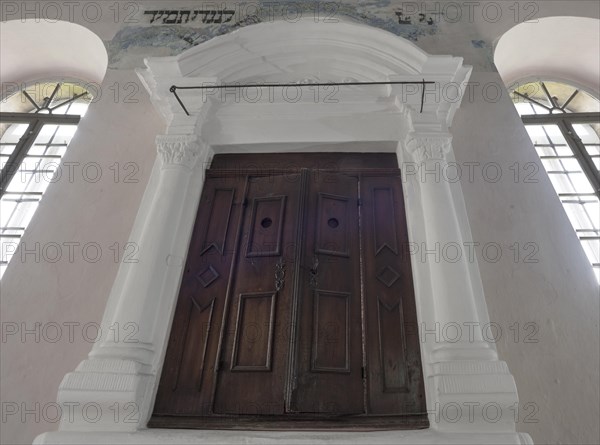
296 308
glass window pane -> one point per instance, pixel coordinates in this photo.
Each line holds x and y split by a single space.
57 149
524 108
7 149
555 135
79 108
553 164
46 134
14 133
545 150
6 210
581 183
593 209
593 150
563 150
537 135
592 249
586 133
37 149
65 133
28 182
24 212
45 149
571 165
578 216
556 150
561 183
18 183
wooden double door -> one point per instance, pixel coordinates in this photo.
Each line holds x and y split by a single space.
296 302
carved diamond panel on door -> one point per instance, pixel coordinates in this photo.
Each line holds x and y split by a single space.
394 376
329 369
188 373
252 372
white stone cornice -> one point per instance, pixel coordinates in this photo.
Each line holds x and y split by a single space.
179 150
425 148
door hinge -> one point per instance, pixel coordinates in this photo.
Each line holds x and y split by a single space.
245 202
220 364
359 202
363 372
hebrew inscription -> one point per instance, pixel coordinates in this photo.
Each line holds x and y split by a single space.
181 16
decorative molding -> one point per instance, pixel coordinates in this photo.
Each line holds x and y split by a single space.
467 367
146 293
429 147
476 384
104 383
179 150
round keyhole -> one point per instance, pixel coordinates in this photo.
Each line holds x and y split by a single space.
333 223
266 222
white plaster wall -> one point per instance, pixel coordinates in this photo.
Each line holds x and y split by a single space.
63 292
558 373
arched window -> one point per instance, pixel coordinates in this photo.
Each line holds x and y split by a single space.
36 127
563 124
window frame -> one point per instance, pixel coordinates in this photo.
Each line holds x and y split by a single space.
39 117
558 116
565 123
35 124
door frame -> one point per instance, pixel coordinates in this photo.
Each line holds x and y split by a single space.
460 373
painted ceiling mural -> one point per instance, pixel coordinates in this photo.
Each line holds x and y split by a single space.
169 30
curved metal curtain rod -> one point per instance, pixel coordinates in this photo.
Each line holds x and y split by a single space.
174 88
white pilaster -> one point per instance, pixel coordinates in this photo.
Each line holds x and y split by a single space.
116 378
468 387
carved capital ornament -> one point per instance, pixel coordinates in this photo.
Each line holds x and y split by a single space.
179 150
429 148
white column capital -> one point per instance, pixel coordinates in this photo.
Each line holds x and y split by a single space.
429 147
179 150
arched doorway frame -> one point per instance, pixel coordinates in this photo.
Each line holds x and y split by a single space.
462 373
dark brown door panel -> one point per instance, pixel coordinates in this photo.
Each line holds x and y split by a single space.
329 370
254 359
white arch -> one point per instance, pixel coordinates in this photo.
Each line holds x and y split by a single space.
36 49
559 48
346 49
305 51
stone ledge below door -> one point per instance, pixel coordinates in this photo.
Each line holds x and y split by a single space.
218 437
